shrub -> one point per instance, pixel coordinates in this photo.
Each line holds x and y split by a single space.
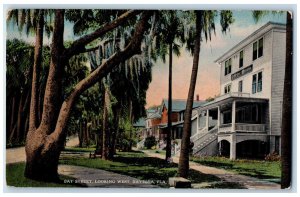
273 157
149 142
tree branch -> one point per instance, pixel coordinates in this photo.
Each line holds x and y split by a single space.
134 47
78 46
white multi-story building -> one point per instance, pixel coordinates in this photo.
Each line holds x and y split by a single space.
245 121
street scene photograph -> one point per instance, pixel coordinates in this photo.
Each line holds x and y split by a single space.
154 99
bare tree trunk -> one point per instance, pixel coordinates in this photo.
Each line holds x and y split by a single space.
84 133
12 115
80 134
40 105
286 130
169 129
10 139
105 127
25 112
38 49
87 134
26 126
131 121
19 119
183 167
112 149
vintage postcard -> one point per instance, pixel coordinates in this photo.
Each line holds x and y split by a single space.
156 99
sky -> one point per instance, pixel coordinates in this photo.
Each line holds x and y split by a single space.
208 84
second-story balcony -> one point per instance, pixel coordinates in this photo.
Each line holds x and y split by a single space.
242 127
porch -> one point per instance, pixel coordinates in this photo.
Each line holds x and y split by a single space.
237 118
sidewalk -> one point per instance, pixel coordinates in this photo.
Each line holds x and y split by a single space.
247 182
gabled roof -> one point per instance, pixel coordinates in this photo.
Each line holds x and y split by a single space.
153 113
174 124
180 104
139 123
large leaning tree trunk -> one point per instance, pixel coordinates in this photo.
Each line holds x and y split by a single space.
183 167
286 130
169 128
45 142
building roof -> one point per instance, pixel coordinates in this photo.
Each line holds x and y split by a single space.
174 124
153 113
251 38
180 104
139 123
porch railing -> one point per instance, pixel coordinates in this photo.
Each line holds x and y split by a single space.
225 128
250 127
243 127
198 134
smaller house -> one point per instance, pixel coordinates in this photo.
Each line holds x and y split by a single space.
152 121
157 119
178 109
140 127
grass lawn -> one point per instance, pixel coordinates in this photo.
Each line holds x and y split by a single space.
15 177
267 170
138 165
78 149
162 152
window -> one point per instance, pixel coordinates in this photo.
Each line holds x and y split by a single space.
227 88
227 67
254 51
258 49
254 84
249 114
240 86
241 63
257 83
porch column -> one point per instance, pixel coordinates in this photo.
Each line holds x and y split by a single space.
219 118
207 119
233 116
198 121
233 147
220 148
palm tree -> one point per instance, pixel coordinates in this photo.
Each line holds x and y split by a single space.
204 23
34 22
286 130
169 35
18 59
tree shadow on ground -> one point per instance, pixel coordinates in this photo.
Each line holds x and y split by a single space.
159 169
137 164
